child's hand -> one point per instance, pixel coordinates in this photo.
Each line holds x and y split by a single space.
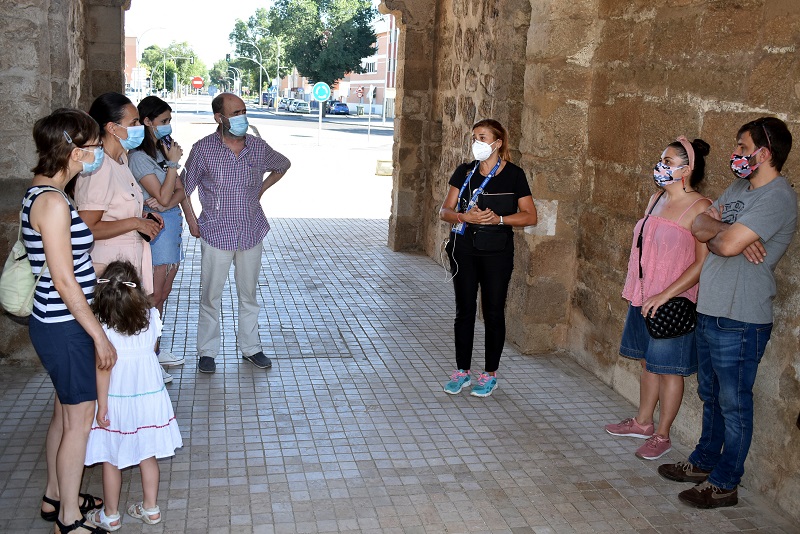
102 417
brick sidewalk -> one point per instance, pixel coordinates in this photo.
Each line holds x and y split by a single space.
350 430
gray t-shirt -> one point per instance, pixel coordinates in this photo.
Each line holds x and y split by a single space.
733 287
141 165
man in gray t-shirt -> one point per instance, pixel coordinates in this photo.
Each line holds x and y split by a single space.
747 230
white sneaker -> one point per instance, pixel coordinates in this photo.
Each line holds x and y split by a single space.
166 376
167 359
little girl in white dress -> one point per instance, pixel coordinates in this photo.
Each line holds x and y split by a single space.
135 422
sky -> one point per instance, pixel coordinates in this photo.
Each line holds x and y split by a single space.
204 25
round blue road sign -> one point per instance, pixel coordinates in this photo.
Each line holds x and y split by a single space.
321 91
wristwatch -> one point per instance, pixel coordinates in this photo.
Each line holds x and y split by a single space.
173 165
501 220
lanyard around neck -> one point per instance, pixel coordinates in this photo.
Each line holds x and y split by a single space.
479 190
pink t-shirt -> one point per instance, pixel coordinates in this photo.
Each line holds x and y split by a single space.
667 251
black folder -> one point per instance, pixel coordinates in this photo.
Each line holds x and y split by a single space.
501 203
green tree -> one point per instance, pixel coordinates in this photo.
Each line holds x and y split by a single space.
218 74
164 63
325 39
258 50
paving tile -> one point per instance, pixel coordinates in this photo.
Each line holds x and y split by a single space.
350 430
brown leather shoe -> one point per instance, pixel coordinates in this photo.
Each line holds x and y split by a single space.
683 472
707 495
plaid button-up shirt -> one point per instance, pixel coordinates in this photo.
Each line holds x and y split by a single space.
228 186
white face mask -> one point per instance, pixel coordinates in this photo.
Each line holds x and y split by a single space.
482 150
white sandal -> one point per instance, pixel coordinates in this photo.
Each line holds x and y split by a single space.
138 511
99 518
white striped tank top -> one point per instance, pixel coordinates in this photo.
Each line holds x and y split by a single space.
47 305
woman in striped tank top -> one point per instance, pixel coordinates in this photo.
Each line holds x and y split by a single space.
67 337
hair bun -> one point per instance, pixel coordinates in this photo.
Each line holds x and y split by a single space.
701 147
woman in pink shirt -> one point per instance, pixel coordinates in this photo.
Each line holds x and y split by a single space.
110 200
671 260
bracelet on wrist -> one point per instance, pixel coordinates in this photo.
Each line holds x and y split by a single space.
173 165
458 216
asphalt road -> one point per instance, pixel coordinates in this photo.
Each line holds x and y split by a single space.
333 172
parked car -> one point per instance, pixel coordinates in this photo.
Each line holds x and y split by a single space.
283 103
302 107
292 104
339 108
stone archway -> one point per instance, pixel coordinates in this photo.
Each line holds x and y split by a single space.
590 90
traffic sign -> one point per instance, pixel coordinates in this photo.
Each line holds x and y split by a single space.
321 91
360 92
197 82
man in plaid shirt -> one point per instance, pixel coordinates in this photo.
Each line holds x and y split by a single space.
228 169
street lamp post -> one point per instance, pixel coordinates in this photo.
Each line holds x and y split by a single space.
233 80
165 69
278 75
261 67
239 73
139 54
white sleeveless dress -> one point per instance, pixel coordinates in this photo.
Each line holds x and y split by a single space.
142 421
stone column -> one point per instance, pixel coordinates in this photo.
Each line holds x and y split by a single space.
105 49
416 133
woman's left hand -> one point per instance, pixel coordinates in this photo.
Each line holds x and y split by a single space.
651 305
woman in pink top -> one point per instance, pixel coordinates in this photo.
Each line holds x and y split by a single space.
110 200
671 261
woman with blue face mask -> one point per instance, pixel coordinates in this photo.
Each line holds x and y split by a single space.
68 339
155 166
109 200
671 260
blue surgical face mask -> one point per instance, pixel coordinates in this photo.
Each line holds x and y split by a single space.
163 130
98 159
237 125
134 139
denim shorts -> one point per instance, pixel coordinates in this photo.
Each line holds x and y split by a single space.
166 247
674 356
67 353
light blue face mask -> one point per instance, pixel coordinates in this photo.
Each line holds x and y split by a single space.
98 159
163 130
238 125
135 137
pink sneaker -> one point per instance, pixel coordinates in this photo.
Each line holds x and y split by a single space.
654 448
631 429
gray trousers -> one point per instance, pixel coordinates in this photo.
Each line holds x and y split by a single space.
214 267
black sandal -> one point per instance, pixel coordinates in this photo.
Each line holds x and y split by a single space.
50 516
90 502
81 523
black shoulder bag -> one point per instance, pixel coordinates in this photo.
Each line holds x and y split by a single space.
676 317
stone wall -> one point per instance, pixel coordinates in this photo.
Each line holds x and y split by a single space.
591 91
59 53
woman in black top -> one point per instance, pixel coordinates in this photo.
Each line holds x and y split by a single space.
487 197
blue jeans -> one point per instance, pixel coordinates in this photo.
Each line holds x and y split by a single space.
728 354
